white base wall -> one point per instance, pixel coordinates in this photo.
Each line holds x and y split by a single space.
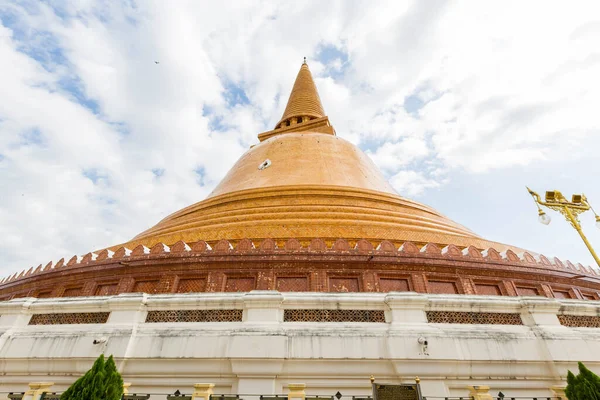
262 354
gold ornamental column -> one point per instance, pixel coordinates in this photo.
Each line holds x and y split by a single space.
480 392
36 389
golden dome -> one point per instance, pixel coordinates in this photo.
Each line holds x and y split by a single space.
302 181
309 158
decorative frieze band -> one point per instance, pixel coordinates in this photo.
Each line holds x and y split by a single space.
312 315
333 316
194 316
462 317
580 321
340 246
274 307
69 318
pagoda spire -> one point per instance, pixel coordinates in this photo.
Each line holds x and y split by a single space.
304 112
304 102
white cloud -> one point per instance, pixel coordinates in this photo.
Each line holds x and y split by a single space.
500 87
412 183
389 156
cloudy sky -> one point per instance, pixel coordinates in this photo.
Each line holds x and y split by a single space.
460 103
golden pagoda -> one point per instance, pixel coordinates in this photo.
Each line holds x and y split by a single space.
302 181
308 207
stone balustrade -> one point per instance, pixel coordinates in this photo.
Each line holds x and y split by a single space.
296 391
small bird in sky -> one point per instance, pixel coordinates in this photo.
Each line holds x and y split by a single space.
155 62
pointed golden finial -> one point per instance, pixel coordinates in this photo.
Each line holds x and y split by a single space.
372 378
304 102
417 380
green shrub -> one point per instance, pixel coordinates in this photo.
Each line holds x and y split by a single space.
114 381
101 382
584 386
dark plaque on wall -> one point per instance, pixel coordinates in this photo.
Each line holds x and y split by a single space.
396 392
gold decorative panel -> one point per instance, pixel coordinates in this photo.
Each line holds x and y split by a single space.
145 286
343 285
69 318
194 316
580 321
462 317
239 284
333 316
561 294
192 285
109 289
72 292
393 285
442 287
488 289
527 291
292 284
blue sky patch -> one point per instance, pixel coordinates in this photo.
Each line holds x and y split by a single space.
412 104
370 144
215 121
105 200
120 127
334 59
39 45
74 87
329 53
234 94
33 137
58 9
10 20
94 175
45 48
200 175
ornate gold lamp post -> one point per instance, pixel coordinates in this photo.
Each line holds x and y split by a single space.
570 209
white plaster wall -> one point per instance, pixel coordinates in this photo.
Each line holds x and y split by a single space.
262 354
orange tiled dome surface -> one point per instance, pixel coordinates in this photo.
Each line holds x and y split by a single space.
316 185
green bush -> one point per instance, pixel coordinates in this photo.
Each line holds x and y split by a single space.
584 386
101 382
114 381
